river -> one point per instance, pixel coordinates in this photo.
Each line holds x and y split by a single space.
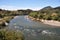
34 30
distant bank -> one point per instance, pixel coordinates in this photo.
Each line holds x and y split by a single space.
48 22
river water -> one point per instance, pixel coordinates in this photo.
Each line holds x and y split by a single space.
34 30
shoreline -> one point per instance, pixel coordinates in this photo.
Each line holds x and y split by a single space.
5 20
47 22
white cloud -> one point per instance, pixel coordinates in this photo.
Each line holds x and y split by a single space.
8 7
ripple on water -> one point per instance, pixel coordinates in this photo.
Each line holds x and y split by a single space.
33 30
47 32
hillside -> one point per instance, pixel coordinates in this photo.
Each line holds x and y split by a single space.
47 13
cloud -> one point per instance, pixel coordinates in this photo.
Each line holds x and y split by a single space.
8 7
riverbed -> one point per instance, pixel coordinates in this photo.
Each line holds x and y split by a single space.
34 30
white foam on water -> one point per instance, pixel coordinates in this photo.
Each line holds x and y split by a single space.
16 26
48 32
26 30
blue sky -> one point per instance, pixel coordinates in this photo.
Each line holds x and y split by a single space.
27 4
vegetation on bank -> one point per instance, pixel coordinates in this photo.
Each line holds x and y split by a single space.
10 35
47 13
5 20
6 15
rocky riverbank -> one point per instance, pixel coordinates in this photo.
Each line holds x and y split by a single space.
5 20
48 22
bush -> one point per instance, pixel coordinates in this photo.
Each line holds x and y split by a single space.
34 14
10 35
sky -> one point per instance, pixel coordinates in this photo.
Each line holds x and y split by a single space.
27 4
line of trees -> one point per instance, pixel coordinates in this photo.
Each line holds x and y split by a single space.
14 13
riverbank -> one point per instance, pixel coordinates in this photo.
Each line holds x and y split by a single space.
48 22
5 20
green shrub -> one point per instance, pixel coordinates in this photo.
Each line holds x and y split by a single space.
11 35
